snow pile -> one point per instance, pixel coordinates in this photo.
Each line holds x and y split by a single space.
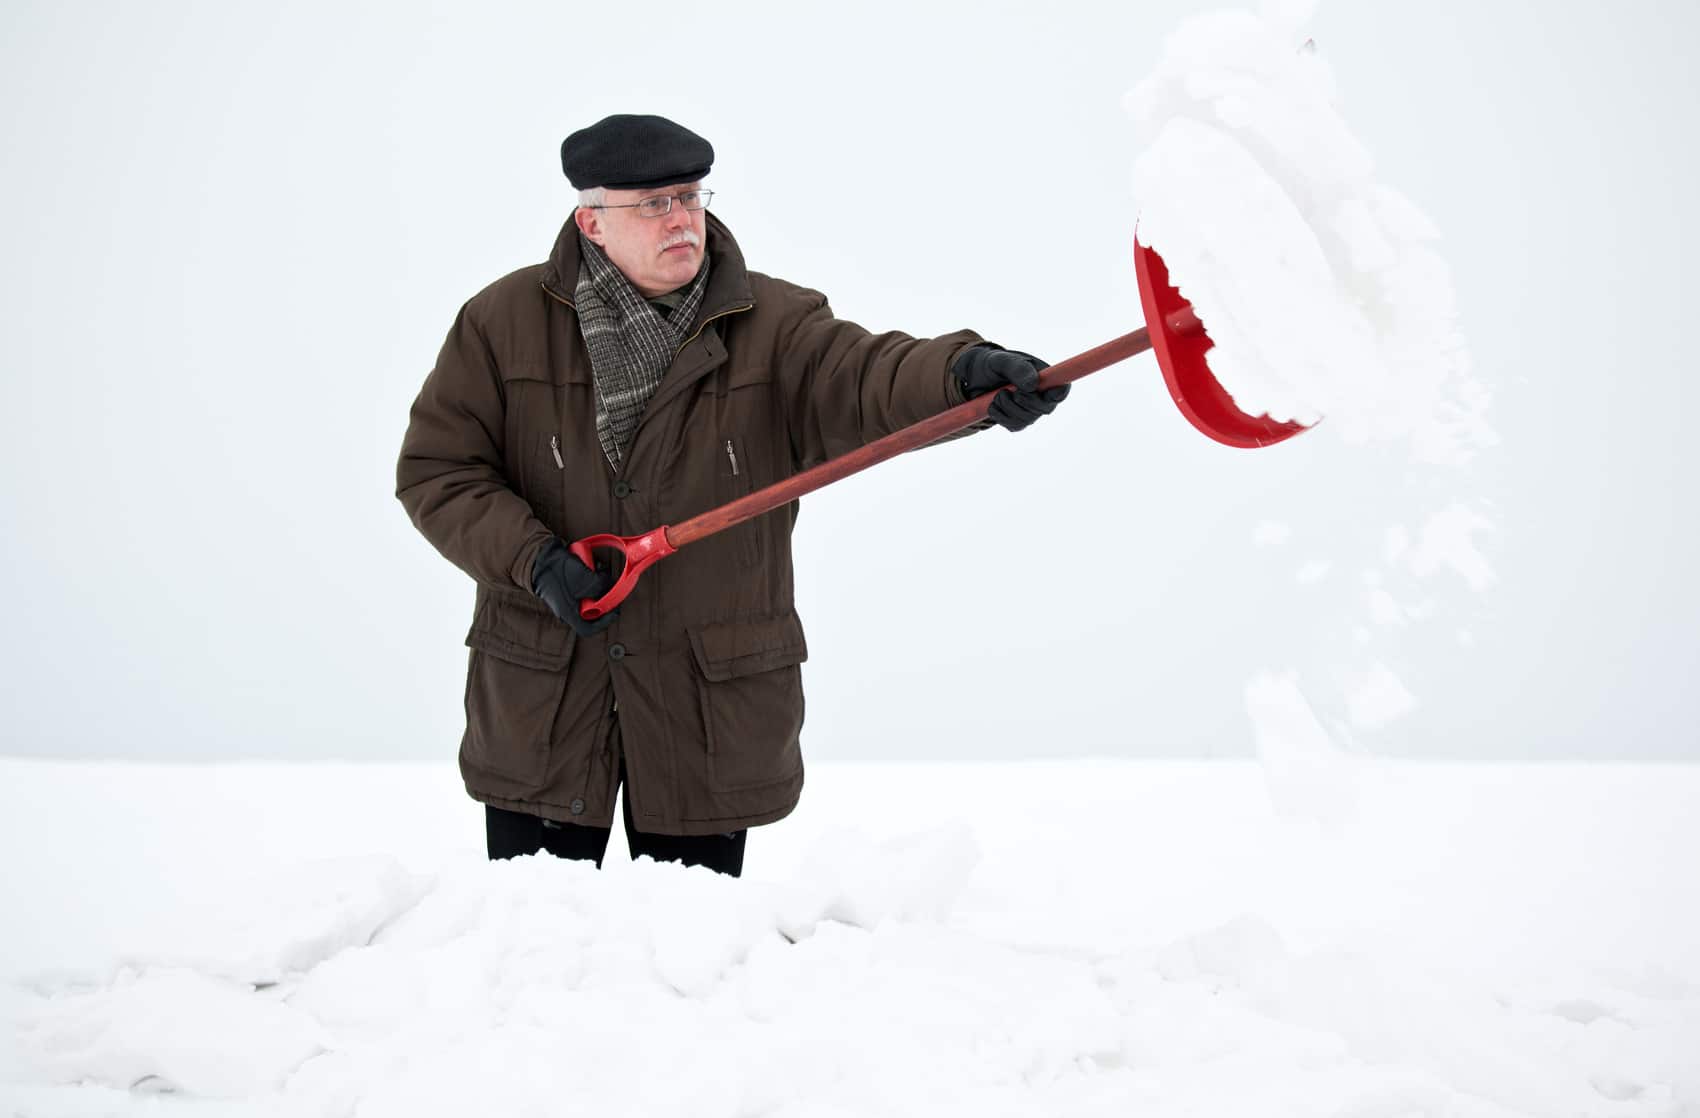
264 929
1168 948
337 974
1295 1014
167 1030
909 877
1318 283
510 987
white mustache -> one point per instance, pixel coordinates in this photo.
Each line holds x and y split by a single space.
686 238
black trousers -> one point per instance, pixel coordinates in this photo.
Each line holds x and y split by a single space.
510 834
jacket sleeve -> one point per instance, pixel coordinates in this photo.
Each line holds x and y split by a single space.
846 387
451 477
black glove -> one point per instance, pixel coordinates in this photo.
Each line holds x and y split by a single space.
560 579
986 368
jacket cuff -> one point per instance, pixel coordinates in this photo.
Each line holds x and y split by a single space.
953 394
526 560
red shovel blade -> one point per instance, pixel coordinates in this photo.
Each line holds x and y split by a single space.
1179 340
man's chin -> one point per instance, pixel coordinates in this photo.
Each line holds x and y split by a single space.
682 265
670 279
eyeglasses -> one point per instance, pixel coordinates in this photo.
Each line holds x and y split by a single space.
662 204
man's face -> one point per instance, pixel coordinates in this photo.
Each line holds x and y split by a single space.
658 254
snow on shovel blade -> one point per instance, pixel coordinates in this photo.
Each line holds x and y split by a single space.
1179 340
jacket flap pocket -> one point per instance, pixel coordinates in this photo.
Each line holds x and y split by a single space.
538 366
736 648
743 374
521 632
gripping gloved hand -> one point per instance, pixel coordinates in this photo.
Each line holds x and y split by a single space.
986 368
560 579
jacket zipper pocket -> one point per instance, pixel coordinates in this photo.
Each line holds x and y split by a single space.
731 487
555 449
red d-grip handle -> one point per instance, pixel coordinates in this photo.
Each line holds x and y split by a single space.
639 552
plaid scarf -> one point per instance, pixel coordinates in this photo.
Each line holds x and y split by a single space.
630 343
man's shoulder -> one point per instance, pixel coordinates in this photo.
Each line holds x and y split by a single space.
513 311
520 286
784 295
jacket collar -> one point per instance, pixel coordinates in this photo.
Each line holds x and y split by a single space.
728 279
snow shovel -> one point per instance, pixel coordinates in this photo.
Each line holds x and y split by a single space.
1171 329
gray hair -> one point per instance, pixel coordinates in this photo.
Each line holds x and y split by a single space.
593 197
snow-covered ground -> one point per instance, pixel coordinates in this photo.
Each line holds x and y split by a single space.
1058 938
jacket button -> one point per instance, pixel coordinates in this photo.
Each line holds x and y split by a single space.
616 652
622 490
576 807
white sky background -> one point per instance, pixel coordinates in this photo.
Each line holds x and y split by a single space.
232 237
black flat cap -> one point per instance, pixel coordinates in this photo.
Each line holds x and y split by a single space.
629 152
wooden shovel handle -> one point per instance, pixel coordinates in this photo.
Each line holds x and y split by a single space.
641 551
898 442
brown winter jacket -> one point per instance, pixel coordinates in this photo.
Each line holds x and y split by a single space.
702 664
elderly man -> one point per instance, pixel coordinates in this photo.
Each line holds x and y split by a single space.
642 375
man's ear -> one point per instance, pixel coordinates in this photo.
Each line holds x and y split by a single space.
589 223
